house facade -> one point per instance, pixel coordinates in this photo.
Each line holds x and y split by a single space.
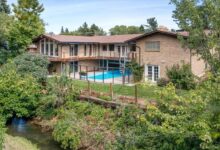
156 51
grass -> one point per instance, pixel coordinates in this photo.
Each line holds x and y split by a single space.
18 143
147 92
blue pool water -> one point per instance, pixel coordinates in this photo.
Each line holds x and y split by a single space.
109 75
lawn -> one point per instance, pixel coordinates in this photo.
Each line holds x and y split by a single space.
147 92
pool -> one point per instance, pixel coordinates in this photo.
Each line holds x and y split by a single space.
109 75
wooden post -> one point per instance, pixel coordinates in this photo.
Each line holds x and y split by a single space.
111 91
80 72
103 76
136 94
94 73
89 88
86 72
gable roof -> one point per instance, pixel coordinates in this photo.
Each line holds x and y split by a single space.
90 39
169 33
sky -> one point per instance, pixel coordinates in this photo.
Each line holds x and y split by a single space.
104 13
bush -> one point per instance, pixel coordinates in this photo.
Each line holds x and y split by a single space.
18 95
162 82
181 76
33 64
2 131
137 70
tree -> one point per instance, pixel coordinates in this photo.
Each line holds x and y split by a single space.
84 29
95 30
28 25
5 27
201 19
122 29
4 7
62 30
18 95
67 31
152 24
33 64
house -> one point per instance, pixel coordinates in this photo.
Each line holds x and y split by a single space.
156 50
162 49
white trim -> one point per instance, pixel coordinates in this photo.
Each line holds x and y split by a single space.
153 72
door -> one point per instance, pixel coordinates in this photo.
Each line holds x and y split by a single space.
152 73
74 66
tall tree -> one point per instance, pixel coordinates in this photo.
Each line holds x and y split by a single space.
28 24
95 30
5 27
202 20
67 31
4 7
151 24
62 30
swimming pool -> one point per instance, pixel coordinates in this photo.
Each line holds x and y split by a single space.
109 75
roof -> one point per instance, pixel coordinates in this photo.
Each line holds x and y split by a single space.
91 39
169 33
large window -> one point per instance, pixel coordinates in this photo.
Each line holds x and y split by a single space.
42 46
152 46
51 49
90 50
73 50
85 50
111 47
153 73
47 47
104 47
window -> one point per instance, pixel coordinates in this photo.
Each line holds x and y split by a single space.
104 47
111 47
152 46
42 47
90 50
47 48
85 50
56 50
51 49
133 48
153 73
73 50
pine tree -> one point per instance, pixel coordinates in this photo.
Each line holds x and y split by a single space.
66 30
62 30
4 7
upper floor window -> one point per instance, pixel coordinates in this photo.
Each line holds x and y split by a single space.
73 50
51 49
104 47
111 47
152 46
85 50
42 46
47 47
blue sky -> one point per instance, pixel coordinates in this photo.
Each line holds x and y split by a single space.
104 13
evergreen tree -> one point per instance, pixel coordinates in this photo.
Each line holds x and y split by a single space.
62 30
4 7
66 31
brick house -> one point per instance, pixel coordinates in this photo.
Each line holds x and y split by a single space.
156 50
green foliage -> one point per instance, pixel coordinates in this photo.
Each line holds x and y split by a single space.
4 7
172 123
84 125
28 24
5 27
59 90
152 24
137 70
33 64
84 30
201 19
181 76
162 82
18 95
122 29
2 131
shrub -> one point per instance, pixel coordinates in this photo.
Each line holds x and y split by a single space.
181 76
18 95
137 70
2 131
162 82
33 64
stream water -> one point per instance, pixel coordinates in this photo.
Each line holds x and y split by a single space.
43 140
